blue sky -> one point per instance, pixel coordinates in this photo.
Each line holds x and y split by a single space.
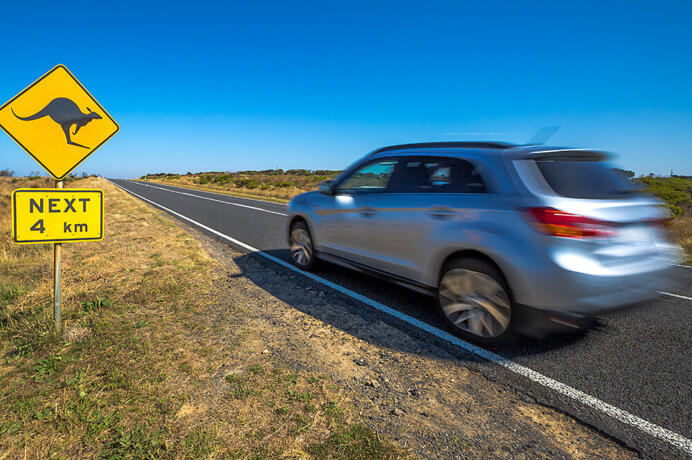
202 86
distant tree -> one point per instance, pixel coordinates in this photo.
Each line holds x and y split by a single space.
84 175
624 173
6 173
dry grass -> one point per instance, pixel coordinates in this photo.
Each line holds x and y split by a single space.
279 187
140 370
682 230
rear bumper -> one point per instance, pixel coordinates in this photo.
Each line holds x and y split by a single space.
594 295
587 290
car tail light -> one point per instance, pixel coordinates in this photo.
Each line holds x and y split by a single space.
563 224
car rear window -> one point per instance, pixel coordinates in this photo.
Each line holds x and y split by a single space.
584 179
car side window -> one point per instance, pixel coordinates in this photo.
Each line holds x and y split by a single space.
436 175
373 177
412 175
454 175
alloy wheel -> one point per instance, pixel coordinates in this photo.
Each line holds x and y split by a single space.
475 302
301 246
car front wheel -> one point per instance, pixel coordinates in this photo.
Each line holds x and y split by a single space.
300 243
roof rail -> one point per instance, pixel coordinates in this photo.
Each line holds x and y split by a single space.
430 145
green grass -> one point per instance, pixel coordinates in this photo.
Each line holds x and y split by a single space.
353 442
47 367
8 293
137 442
332 411
96 304
256 368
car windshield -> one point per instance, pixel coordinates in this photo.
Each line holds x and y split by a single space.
373 177
584 179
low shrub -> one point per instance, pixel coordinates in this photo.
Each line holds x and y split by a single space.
676 192
204 179
250 183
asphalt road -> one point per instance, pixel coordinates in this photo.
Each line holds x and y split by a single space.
638 361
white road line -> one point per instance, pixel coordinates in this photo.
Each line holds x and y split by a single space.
213 199
623 416
211 193
675 295
684 266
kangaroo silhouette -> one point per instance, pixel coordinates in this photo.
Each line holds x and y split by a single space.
66 113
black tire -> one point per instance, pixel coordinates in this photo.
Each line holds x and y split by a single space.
301 246
474 299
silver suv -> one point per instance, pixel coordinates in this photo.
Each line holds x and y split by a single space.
508 238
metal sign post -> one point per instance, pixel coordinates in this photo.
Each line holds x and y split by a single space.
57 249
57 215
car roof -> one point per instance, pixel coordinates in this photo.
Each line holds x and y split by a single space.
501 149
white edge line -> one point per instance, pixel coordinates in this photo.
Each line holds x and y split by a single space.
141 181
621 415
683 266
675 295
213 199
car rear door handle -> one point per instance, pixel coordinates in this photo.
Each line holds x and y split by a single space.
441 212
368 211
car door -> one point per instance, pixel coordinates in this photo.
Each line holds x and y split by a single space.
428 203
389 221
343 219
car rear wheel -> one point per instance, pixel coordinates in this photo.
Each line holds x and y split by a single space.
300 242
473 298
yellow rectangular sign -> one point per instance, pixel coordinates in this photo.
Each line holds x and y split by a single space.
42 215
57 122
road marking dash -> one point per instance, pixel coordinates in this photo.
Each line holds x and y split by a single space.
621 415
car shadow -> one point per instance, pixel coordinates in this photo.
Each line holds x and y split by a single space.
319 301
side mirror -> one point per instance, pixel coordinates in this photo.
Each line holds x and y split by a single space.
326 187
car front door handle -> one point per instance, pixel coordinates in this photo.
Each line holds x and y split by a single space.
368 212
441 212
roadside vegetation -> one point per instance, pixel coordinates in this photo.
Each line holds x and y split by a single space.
279 185
272 184
676 193
139 370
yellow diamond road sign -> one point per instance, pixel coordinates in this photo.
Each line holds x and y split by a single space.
56 215
57 122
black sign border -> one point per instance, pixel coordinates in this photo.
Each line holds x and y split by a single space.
51 190
117 126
